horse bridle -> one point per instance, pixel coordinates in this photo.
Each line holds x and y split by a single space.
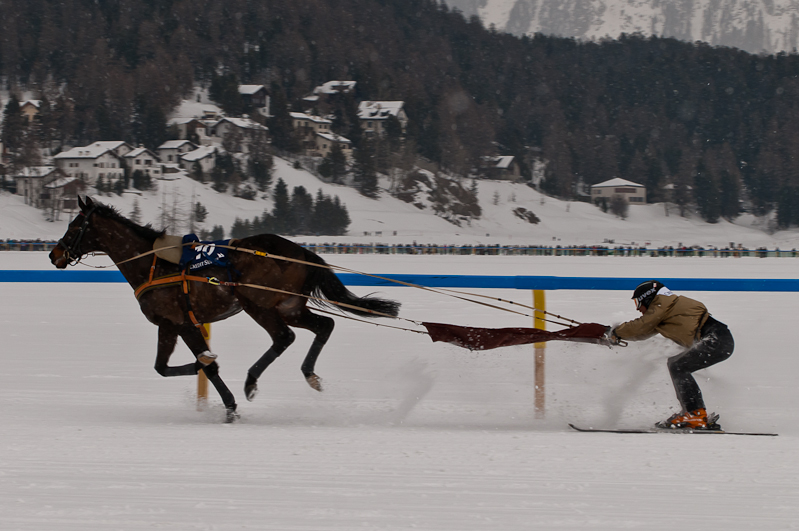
72 250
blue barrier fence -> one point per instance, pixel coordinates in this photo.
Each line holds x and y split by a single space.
465 281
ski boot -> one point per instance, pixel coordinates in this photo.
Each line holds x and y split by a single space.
692 420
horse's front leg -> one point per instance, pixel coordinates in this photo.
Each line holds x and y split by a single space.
196 342
167 339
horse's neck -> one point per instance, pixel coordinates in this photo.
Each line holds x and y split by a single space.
121 243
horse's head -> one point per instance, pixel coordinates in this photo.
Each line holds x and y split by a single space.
73 244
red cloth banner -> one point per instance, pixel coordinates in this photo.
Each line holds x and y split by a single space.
488 338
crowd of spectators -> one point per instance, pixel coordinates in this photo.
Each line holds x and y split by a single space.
731 251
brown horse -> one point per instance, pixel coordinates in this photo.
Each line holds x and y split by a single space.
177 308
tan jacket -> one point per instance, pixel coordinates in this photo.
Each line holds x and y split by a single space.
673 316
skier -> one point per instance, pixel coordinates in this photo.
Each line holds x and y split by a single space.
688 323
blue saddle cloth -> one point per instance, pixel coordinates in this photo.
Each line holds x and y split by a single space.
203 254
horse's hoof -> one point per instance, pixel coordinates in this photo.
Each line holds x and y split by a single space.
250 387
315 382
231 416
250 391
206 358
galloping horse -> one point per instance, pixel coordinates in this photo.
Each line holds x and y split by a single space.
178 307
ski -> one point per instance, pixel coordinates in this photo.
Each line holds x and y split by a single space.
666 430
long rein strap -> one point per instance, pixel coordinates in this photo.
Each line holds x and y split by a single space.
442 291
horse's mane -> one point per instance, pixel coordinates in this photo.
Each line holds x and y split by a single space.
145 231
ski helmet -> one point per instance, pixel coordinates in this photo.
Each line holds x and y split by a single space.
645 292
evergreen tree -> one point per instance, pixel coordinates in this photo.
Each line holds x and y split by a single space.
281 210
281 126
707 195
301 206
334 164
14 127
364 171
224 91
135 214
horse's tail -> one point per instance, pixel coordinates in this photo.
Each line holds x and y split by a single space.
324 284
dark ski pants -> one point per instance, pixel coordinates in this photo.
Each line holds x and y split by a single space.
715 345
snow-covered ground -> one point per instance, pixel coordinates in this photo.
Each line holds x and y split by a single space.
408 434
391 221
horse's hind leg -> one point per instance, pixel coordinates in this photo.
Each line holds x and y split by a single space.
194 340
321 326
282 338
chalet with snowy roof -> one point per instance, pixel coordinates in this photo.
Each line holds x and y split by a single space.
326 141
255 96
327 93
190 129
30 182
634 193
307 125
144 160
92 162
244 131
170 151
117 146
30 108
61 194
504 167
375 114
205 156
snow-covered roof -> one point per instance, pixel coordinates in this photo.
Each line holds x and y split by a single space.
333 137
138 152
244 123
335 87
379 110
502 162
250 89
311 117
183 120
111 144
58 183
87 152
199 153
35 171
617 182
174 144
35 103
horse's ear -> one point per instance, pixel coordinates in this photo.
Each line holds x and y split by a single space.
81 204
89 202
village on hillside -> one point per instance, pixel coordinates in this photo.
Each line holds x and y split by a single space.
203 137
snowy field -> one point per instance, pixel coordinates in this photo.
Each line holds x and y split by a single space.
408 434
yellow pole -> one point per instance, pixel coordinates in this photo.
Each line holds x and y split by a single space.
539 303
202 379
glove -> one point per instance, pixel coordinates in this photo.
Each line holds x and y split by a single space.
611 337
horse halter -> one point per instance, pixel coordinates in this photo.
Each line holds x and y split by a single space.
72 251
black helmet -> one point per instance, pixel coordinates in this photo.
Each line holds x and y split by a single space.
645 292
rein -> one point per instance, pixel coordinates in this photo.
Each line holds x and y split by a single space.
461 295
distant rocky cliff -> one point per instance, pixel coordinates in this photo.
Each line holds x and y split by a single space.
755 26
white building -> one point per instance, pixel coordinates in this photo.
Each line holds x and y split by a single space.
326 141
244 129
375 114
31 181
634 193
170 151
144 160
89 163
205 156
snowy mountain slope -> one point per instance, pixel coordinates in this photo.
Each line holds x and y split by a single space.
751 25
391 221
